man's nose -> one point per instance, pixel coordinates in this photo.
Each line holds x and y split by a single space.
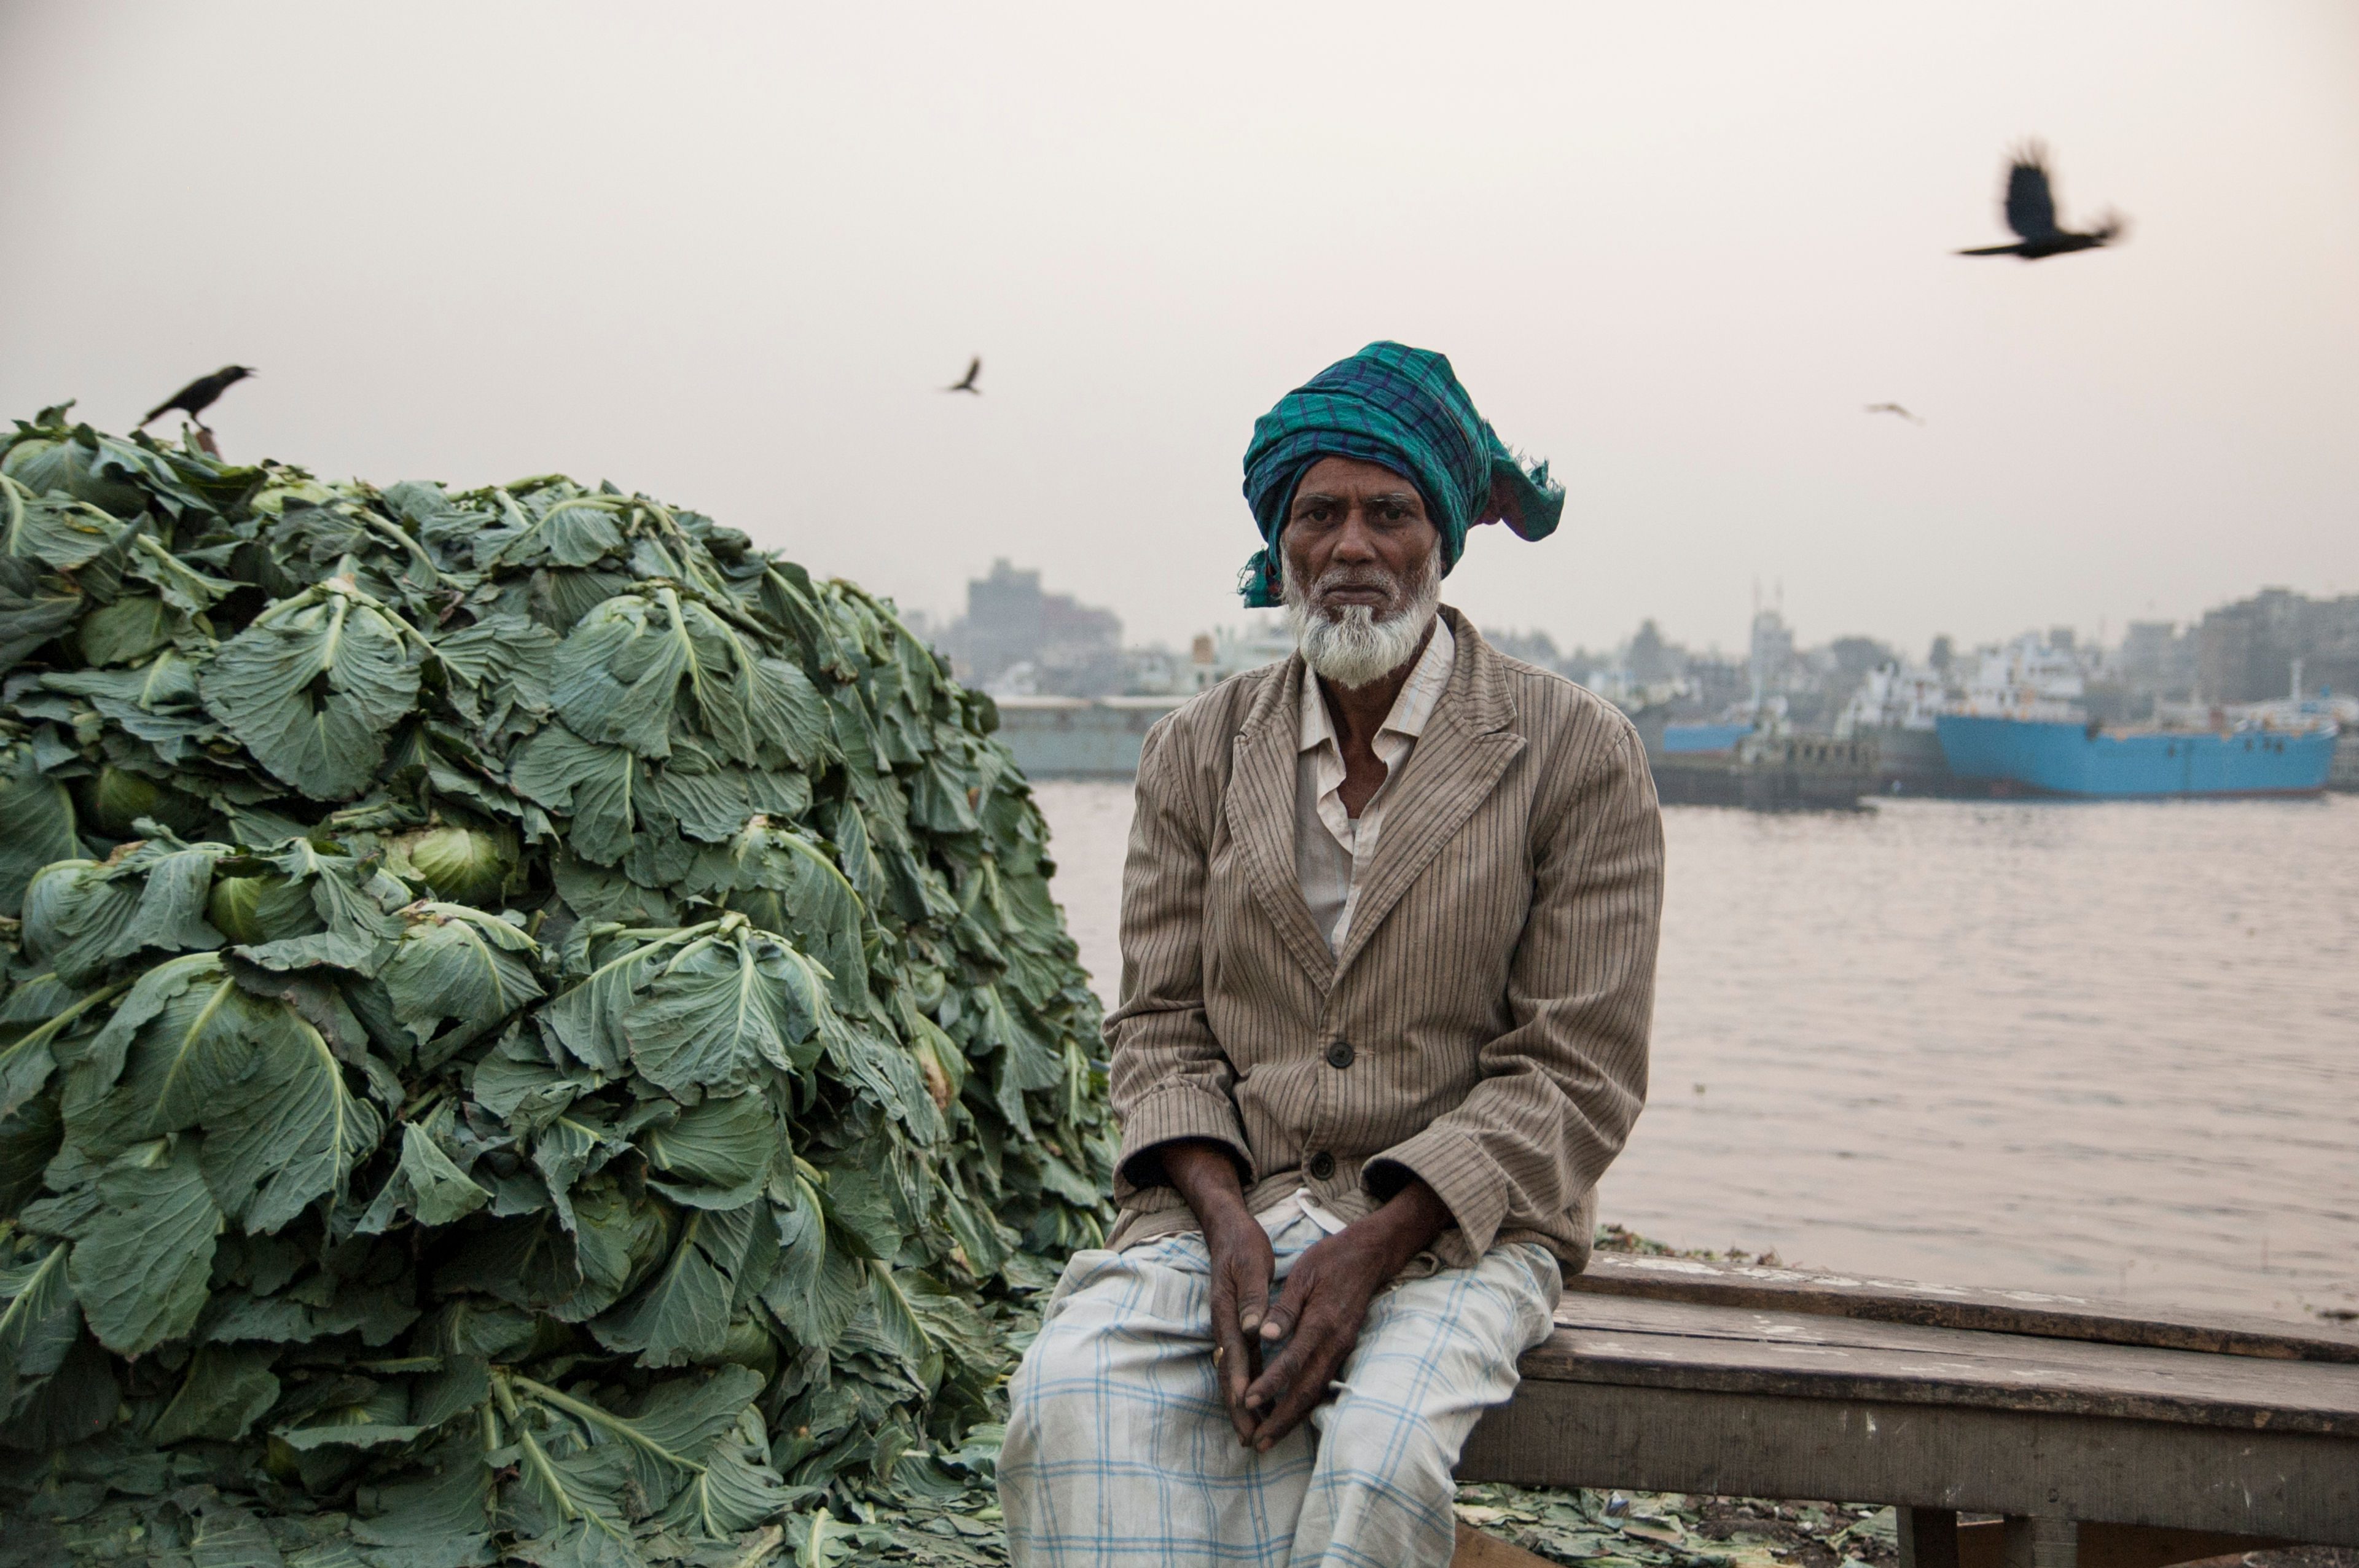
1356 540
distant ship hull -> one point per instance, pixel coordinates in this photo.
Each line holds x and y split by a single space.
1763 772
1909 761
1703 740
2066 759
2344 775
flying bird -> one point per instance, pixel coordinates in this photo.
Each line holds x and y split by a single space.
1894 408
198 396
2031 210
966 381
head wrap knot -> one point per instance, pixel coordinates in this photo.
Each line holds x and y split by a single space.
1401 407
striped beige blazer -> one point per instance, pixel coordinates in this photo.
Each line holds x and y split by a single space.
1483 1026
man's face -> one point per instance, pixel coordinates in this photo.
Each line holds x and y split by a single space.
1357 535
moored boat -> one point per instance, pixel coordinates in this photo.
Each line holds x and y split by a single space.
1703 740
1805 773
2062 757
1769 769
1895 707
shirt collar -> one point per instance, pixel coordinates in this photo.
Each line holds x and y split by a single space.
1411 709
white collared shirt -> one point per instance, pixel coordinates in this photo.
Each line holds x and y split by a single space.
1333 850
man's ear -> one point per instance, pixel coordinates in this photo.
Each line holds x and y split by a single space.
1504 505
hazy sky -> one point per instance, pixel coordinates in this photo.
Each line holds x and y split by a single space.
724 254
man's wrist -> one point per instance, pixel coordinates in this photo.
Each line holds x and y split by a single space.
1411 1220
1206 1176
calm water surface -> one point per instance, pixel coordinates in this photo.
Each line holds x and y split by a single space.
2111 1049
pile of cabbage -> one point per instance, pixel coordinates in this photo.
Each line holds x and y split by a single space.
531 1028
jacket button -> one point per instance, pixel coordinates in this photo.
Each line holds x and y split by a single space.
1339 1055
1322 1165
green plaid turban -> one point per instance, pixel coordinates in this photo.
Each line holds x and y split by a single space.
1401 407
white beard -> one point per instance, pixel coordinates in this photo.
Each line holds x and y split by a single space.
1352 647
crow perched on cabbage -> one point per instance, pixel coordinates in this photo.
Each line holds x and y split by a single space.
2030 209
198 395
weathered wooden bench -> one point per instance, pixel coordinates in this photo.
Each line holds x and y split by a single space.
2106 1436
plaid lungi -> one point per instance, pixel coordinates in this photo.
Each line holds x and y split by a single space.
1119 1448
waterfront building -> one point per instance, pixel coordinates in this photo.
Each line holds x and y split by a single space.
2245 650
1771 659
2157 661
1065 647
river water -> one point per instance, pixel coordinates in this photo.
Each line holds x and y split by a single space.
2105 1049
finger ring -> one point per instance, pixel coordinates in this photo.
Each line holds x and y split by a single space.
1218 1350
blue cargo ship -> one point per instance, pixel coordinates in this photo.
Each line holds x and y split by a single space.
2069 758
1703 740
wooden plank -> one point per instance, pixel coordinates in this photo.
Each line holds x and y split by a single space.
1684 1345
2048 1313
2299 1485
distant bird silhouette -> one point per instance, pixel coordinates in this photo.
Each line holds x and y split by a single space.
966 381
2031 214
198 396
1894 408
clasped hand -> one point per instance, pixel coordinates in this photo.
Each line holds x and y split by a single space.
1317 1315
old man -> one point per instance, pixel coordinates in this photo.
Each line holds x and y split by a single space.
1388 934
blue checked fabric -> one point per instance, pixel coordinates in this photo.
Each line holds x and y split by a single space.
1120 1453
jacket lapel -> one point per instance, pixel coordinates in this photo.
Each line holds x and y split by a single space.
1465 748
1260 808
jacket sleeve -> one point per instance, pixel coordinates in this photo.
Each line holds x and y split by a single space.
1561 1088
1170 1079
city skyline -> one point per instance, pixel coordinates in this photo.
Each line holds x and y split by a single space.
946 625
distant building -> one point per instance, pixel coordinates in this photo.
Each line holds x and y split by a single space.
1234 649
1017 638
1855 656
1771 658
1211 658
1153 671
2245 652
2157 661
1715 684
1539 648
1653 662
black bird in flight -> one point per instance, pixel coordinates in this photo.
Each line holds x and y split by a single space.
1894 408
966 381
198 396
2031 210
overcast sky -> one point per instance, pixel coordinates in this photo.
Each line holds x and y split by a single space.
726 253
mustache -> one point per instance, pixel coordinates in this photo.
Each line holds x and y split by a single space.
1333 578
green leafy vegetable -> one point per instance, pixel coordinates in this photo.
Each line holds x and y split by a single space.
140 1267
312 685
530 1029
